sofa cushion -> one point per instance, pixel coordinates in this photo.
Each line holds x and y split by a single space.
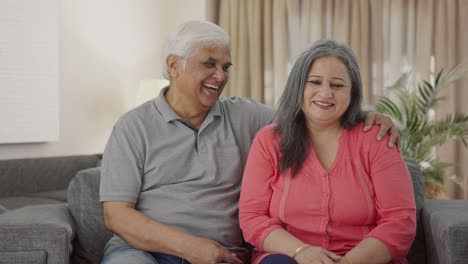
59 195
417 251
418 183
24 257
84 205
446 226
3 209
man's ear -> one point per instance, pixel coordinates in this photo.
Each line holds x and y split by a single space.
173 65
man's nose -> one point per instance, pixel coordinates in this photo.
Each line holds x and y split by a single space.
220 74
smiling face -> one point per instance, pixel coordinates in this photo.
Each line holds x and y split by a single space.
206 72
327 92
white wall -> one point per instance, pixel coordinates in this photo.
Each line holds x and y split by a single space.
106 48
29 71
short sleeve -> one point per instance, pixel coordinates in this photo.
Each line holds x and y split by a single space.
121 167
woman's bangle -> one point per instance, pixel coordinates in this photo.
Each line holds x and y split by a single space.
347 259
299 249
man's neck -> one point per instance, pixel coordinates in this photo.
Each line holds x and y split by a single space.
186 110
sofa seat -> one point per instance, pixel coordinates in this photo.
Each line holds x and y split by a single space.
25 257
446 231
28 235
35 222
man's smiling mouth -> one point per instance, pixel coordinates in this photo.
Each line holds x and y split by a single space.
211 87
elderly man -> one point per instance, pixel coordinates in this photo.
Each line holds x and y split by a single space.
172 168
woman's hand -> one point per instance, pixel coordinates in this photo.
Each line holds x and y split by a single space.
316 255
386 126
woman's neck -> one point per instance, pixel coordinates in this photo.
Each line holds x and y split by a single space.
325 143
321 134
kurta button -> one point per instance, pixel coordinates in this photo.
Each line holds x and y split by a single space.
326 218
325 174
327 194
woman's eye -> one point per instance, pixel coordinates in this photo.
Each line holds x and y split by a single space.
315 82
337 85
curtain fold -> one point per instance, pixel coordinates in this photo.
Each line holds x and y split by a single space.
449 29
462 91
259 40
424 31
345 21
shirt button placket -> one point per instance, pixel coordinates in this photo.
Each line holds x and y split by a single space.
326 216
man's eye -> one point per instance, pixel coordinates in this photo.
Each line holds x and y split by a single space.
226 68
209 64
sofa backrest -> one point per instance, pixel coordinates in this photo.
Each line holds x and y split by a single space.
417 253
32 175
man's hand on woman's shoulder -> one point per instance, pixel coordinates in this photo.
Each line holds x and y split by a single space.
386 126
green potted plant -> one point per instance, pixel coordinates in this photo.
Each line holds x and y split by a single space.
412 108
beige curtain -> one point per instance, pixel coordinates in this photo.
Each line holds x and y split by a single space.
450 46
259 41
345 21
383 34
462 89
389 37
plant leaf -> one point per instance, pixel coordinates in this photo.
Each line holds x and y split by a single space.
419 132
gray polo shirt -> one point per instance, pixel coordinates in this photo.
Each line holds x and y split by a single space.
179 175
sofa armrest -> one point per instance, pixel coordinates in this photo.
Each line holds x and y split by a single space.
36 234
446 231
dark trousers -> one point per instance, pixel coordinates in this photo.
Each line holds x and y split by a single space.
277 259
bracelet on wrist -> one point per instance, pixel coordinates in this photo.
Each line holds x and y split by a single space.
298 250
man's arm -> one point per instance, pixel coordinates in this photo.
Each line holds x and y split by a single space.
147 234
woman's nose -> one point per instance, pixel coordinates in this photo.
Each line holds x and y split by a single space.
326 91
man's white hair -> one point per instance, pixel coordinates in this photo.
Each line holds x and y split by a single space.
190 36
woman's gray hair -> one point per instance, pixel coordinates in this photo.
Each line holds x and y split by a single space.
188 37
290 119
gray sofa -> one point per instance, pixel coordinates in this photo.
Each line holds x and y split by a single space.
56 231
36 225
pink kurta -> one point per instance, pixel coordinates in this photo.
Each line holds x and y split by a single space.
367 192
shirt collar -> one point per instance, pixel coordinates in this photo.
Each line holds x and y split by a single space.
169 114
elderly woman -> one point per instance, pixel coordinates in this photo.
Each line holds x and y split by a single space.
316 187
172 168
